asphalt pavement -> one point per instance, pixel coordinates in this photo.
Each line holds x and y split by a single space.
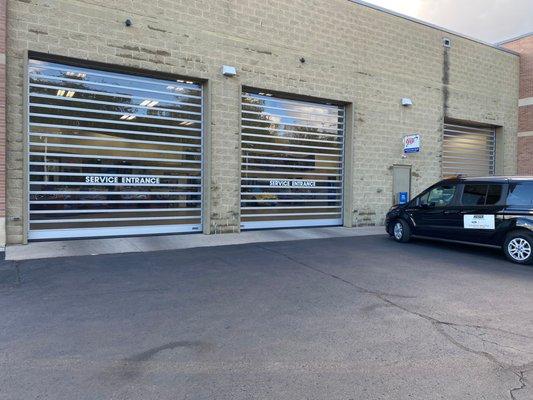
342 318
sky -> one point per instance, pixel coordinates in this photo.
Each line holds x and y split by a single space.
488 20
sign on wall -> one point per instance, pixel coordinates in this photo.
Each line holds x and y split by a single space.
411 143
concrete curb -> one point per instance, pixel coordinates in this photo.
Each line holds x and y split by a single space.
85 247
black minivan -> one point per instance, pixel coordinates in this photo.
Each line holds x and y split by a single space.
490 211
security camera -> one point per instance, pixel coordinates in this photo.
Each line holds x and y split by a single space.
128 22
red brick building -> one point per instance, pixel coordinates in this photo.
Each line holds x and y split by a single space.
524 46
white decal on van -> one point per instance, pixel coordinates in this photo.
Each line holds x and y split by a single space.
478 221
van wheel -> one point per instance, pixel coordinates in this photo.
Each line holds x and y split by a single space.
518 247
401 231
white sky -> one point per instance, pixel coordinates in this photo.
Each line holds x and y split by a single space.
488 20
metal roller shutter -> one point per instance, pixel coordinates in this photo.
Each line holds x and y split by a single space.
292 162
468 150
112 154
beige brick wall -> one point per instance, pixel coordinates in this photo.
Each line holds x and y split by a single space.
353 54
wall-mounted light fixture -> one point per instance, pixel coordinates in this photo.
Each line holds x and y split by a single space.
407 102
228 70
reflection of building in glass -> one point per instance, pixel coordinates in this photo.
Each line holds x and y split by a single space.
111 152
292 162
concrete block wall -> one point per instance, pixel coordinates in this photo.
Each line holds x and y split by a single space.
353 53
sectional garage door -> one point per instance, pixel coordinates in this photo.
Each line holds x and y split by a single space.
468 150
112 154
292 162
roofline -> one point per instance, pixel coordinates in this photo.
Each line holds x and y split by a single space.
514 39
433 26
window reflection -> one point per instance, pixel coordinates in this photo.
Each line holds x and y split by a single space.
112 150
292 157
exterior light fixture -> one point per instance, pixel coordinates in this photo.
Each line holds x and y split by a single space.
228 70
407 102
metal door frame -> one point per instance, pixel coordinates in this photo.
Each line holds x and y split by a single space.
104 231
342 181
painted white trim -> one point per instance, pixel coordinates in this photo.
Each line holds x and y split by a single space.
525 134
430 25
526 101
514 39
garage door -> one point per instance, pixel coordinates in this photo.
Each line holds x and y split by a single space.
292 162
112 154
468 150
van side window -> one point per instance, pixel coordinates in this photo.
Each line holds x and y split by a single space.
493 194
439 196
474 195
520 194
481 195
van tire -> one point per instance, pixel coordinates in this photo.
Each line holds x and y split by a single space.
518 247
401 231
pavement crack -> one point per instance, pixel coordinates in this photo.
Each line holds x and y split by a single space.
436 323
480 337
521 381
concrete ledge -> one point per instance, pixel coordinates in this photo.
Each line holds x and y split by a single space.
84 247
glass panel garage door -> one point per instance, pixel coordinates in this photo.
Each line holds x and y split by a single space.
468 150
112 154
292 162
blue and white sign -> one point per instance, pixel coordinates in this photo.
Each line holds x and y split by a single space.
411 143
403 197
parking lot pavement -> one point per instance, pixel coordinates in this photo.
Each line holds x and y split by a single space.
343 318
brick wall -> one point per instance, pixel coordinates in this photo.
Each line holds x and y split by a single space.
3 9
524 46
355 54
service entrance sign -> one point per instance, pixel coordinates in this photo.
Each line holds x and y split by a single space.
131 180
411 144
292 183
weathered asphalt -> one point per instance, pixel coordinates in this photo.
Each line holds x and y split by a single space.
344 318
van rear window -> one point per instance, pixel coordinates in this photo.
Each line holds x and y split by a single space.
520 194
